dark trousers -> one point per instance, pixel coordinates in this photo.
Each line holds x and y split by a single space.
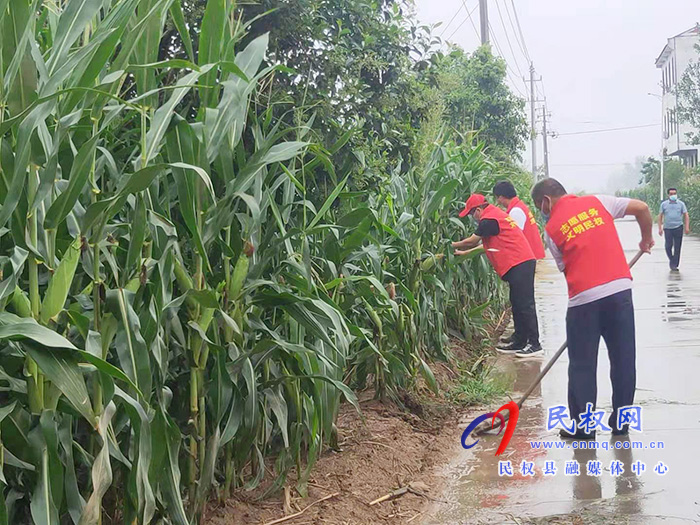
521 280
612 318
674 239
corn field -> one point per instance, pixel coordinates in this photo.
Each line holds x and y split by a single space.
175 309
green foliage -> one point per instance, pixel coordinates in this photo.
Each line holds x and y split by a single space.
359 67
479 390
379 89
688 94
478 385
192 281
477 99
675 175
414 224
686 180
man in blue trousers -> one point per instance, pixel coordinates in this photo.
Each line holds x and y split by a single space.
674 221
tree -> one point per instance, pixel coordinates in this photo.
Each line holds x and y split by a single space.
674 173
651 170
477 98
356 66
369 77
688 93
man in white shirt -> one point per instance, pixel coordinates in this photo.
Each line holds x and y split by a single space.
582 237
519 217
507 197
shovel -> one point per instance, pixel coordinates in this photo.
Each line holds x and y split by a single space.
485 426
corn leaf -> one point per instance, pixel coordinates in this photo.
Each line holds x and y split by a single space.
80 171
60 283
63 371
101 471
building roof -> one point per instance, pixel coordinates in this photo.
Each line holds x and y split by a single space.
668 48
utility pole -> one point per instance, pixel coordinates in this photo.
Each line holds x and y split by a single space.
544 139
661 185
484 17
663 138
663 153
533 129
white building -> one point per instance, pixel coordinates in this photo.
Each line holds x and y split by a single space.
679 52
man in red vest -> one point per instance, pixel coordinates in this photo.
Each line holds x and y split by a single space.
511 256
506 196
583 240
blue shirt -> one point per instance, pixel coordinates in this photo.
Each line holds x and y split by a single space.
673 213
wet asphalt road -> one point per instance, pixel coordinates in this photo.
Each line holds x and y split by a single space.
667 313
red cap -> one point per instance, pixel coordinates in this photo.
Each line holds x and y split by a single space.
474 200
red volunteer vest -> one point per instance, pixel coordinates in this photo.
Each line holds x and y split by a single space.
510 244
586 236
531 230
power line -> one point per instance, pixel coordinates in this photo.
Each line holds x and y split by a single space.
607 130
539 87
520 31
452 19
509 69
469 17
498 48
515 85
538 92
476 31
512 25
533 129
510 45
588 122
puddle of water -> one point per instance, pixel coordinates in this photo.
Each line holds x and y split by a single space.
668 355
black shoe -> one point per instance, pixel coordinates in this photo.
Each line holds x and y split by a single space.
530 351
506 339
578 436
510 348
612 423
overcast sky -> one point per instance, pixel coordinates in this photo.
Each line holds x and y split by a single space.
596 58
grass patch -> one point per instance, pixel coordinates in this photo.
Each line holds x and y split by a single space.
477 389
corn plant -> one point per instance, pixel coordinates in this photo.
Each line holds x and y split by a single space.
174 307
431 295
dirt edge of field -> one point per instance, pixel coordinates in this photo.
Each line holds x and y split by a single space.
385 449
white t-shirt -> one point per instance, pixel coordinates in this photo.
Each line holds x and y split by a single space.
518 216
616 206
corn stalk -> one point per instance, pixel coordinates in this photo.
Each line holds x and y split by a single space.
177 303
